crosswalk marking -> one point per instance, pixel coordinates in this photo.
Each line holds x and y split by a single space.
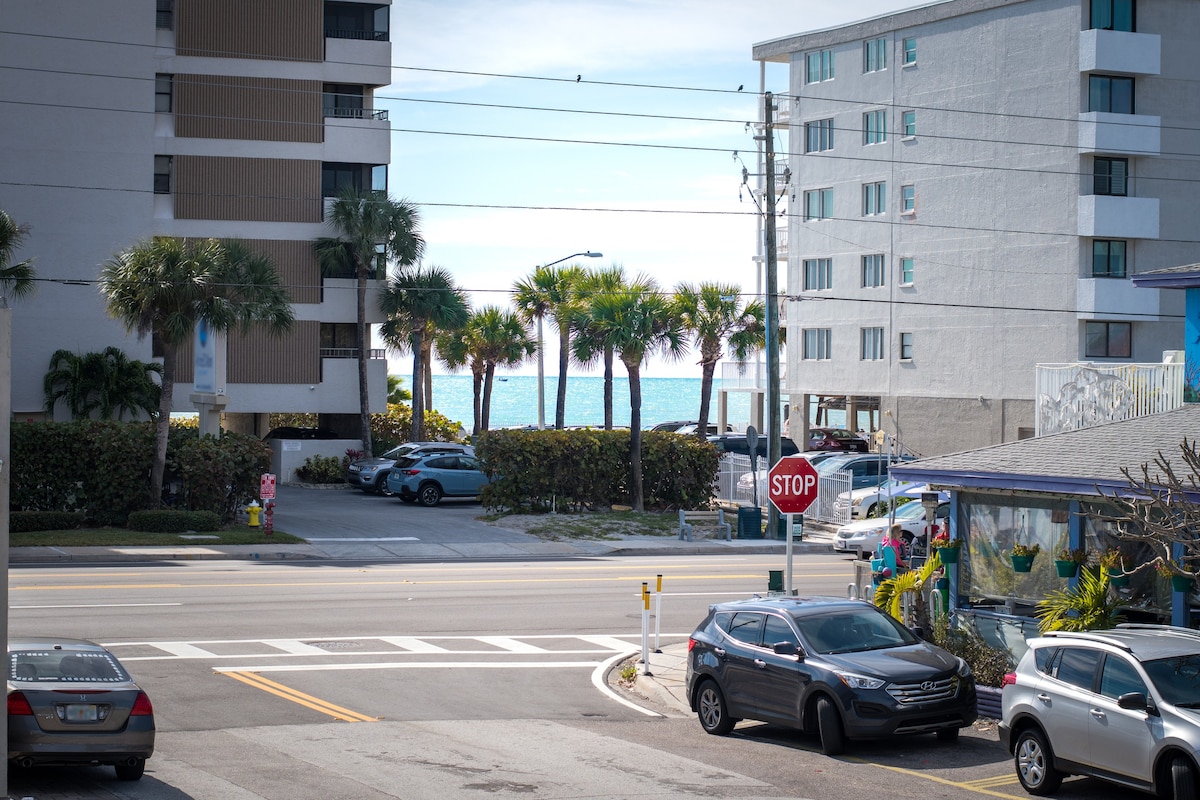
511 645
412 644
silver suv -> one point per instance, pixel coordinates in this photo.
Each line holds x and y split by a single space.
370 474
1121 705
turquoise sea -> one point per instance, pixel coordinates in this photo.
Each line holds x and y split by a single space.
515 397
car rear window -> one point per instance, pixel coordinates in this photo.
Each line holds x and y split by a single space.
54 666
406 462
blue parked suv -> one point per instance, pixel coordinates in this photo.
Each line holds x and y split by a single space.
430 477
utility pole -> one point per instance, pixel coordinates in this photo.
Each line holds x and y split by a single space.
774 426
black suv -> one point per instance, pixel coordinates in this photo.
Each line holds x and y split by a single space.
839 668
736 443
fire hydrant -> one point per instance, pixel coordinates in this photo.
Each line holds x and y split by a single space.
254 509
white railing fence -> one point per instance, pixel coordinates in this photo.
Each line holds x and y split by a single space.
1074 396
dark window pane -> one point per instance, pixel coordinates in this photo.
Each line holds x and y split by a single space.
1078 667
1120 340
1096 340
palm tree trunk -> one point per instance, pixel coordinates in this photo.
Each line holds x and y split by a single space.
488 373
418 404
635 436
162 428
564 356
608 388
364 398
427 365
706 381
477 382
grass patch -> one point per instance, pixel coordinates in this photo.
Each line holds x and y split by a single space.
605 525
121 537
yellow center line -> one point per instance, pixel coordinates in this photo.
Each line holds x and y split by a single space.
308 701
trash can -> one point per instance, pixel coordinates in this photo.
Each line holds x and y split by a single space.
749 522
775 580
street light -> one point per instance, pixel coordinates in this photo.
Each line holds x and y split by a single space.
541 342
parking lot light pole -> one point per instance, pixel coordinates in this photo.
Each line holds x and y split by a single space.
542 342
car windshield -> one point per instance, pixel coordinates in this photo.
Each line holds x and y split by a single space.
910 510
399 450
57 666
852 631
1177 679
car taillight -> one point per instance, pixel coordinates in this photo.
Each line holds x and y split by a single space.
1009 678
411 471
142 707
18 706
691 644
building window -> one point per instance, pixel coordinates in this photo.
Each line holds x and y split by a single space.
1111 176
162 174
908 124
875 127
1113 15
1109 340
818 204
162 92
872 344
907 270
1110 93
342 100
910 50
874 55
1108 258
908 199
818 66
906 346
872 270
164 17
816 344
355 21
874 198
818 135
818 274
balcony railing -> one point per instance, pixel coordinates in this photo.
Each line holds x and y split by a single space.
356 113
351 352
1074 396
354 33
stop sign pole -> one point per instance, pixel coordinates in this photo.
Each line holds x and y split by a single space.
792 488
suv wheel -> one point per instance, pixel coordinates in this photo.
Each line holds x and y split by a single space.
829 724
429 494
1183 779
381 487
712 711
1034 762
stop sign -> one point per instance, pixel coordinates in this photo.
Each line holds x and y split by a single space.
792 485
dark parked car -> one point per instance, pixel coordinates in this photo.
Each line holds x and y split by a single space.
430 477
838 668
1119 705
736 443
866 469
70 702
835 439
370 474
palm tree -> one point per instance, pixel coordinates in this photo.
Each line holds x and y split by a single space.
370 228
15 279
640 320
588 344
396 392
501 340
550 292
166 286
713 314
418 303
457 349
108 383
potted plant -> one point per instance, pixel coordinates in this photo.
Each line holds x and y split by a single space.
1023 555
946 548
1179 582
1116 565
1068 561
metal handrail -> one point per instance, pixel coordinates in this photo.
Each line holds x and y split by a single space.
353 33
355 113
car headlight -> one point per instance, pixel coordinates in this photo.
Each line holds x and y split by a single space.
964 669
860 681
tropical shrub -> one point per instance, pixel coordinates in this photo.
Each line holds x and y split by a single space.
22 521
321 469
171 521
989 663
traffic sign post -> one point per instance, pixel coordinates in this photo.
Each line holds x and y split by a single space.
792 488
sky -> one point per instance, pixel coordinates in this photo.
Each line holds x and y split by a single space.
619 137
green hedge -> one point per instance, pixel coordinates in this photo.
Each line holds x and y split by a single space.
171 521
22 521
574 470
102 469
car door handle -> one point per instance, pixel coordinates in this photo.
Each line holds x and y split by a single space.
758 662
719 651
1097 713
1045 698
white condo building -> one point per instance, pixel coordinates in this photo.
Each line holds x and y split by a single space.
128 119
973 184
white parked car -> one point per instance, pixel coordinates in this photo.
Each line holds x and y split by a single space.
745 484
865 502
867 533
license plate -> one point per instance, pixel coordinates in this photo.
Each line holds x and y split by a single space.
81 712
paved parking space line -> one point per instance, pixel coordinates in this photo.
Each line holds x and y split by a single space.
999 780
969 786
440 665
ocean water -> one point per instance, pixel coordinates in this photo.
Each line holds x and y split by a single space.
514 400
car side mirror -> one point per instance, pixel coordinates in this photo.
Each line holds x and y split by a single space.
1133 701
918 631
786 649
